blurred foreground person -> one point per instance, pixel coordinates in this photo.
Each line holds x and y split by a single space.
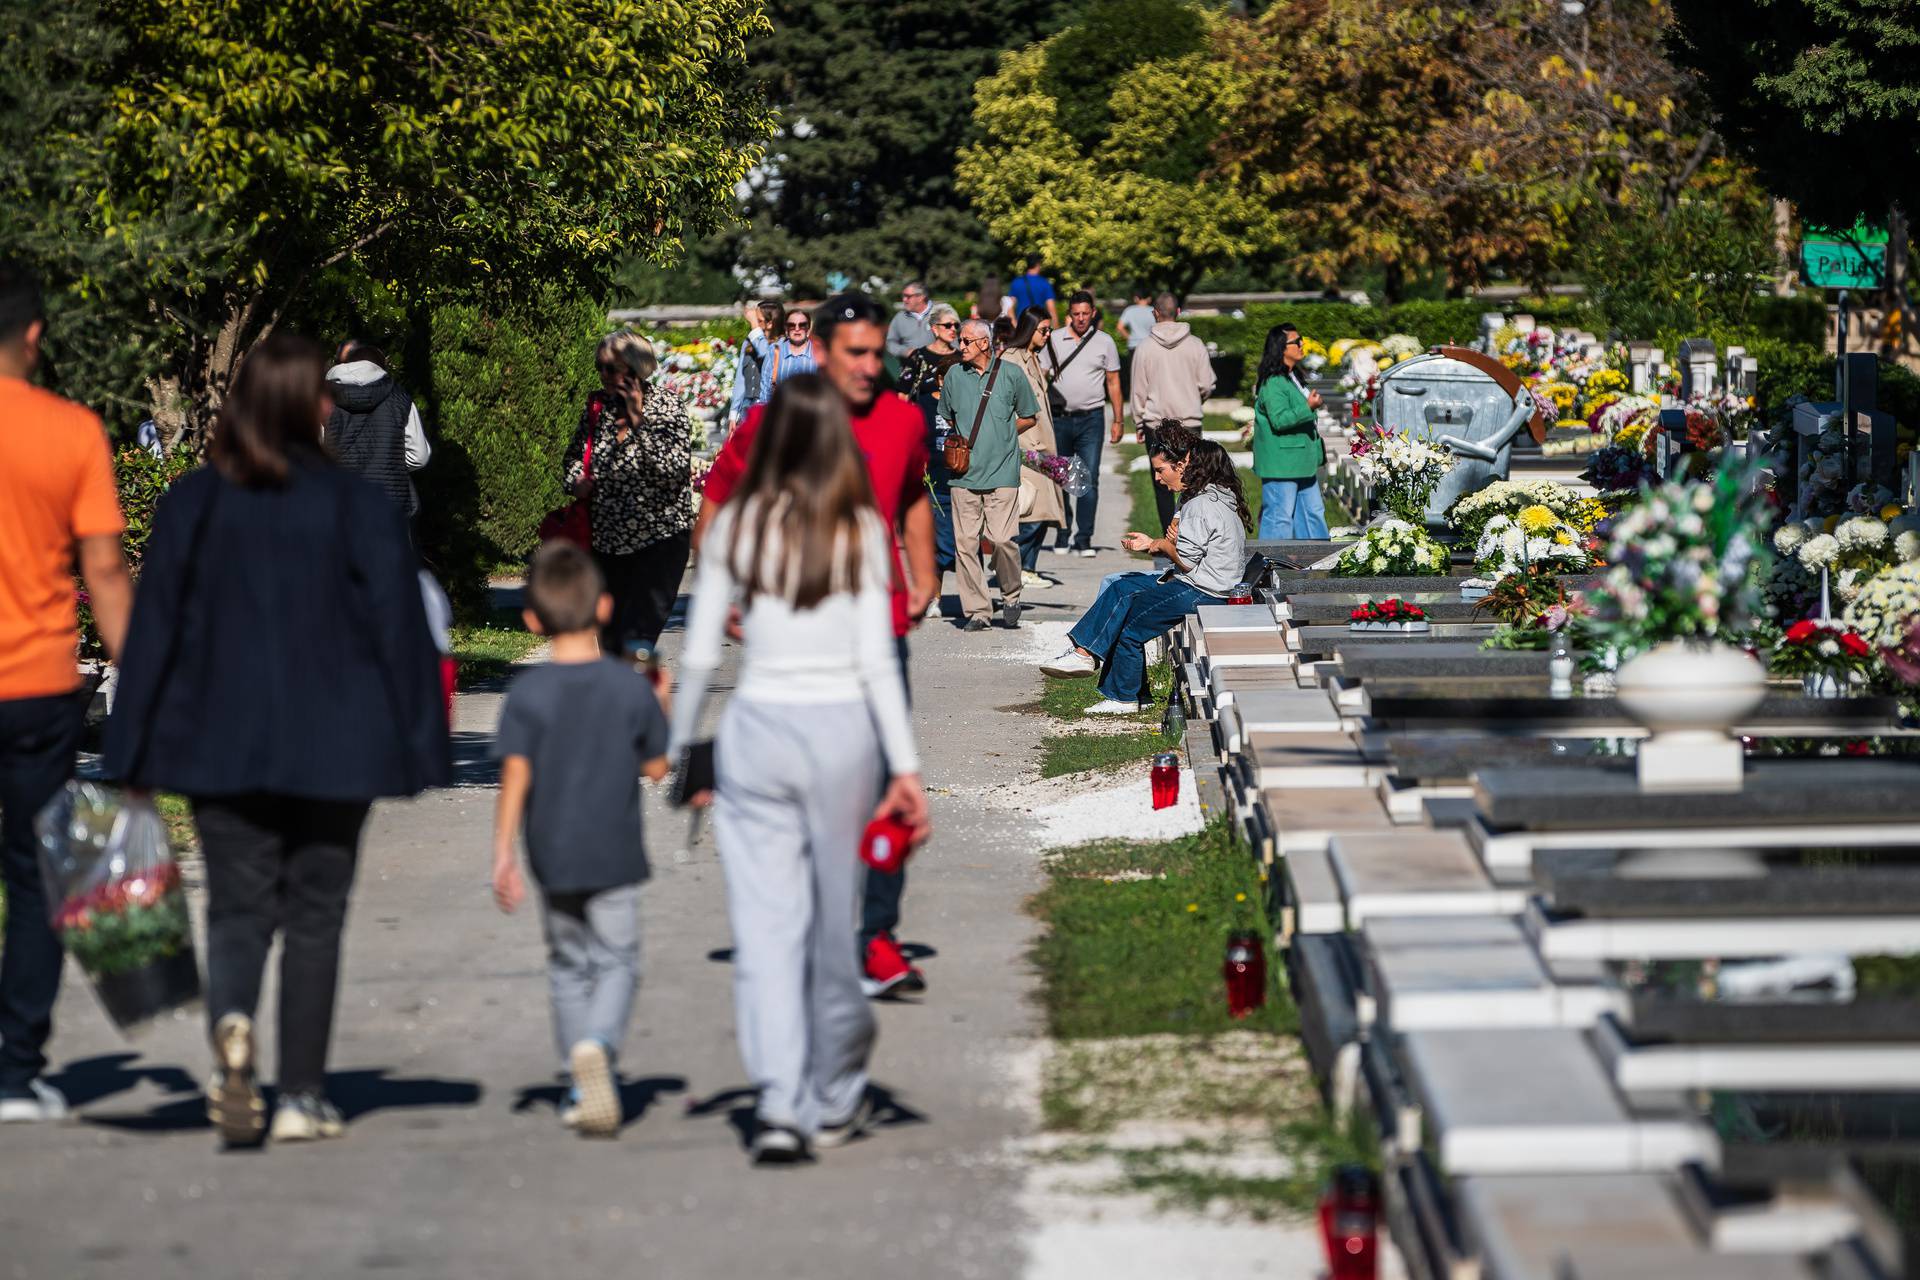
280 674
820 703
58 508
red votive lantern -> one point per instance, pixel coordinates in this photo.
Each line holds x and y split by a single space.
1349 1224
1166 780
1246 973
1242 593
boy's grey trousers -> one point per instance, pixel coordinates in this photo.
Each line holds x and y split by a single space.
593 965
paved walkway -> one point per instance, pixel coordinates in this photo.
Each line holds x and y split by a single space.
454 1164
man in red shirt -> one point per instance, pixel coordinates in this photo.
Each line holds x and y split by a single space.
58 511
851 331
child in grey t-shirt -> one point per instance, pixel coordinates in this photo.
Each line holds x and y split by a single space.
576 736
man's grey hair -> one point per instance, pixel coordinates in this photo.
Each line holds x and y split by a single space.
632 350
1166 307
913 286
940 313
978 328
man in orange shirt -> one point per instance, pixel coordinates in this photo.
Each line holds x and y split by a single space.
57 507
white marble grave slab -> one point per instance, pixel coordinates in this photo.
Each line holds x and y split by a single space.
1537 1101
1452 987
1423 872
1313 895
1703 938
1516 848
1249 649
1823 1067
1520 1226
1274 711
1211 620
1294 760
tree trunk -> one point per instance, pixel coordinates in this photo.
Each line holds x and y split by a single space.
1788 277
1396 283
1893 329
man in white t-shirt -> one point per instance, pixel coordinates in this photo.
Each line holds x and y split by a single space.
1083 365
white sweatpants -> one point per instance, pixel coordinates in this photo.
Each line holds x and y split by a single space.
794 792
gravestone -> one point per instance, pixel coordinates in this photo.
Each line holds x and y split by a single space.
1809 420
1699 368
1672 441
1465 401
1490 324
1856 384
1644 362
1743 372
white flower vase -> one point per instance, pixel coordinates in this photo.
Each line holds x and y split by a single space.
1822 684
1689 697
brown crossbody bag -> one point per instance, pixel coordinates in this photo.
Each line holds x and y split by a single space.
958 452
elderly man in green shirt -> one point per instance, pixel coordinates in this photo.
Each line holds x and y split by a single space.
988 406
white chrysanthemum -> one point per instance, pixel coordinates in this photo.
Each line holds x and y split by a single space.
1906 546
1820 552
1861 533
1243 415
1788 538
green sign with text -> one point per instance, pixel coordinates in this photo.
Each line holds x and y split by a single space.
1854 258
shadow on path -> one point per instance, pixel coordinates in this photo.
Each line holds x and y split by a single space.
636 1096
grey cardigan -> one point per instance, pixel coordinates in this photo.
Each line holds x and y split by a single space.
1212 541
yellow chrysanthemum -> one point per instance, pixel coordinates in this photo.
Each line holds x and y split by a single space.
1563 539
1891 511
1832 522
1537 519
1632 433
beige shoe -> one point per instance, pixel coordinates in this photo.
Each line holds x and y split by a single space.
598 1111
306 1117
234 1104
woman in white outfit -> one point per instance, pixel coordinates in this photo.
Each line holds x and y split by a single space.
819 704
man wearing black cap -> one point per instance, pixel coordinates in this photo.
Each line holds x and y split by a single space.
852 331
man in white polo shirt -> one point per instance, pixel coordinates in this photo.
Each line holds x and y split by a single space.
1084 365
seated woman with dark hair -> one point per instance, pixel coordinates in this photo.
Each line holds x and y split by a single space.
1207 543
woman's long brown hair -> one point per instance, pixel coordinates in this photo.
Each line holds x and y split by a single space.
1210 464
806 479
272 409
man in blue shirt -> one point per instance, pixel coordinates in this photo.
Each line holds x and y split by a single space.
1034 290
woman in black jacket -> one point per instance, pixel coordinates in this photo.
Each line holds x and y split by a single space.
279 672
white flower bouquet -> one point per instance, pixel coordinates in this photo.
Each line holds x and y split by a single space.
1393 549
1534 538
1402 470
1471 512
1886 614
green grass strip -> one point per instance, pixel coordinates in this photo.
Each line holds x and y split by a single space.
1136 934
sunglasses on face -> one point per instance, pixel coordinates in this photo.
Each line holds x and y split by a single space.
799 328
946 324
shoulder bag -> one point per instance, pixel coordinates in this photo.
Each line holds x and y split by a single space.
1057 403
958 452
574 522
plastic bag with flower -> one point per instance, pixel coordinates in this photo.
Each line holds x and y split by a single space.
116 900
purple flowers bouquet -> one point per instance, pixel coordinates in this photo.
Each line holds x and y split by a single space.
1069 473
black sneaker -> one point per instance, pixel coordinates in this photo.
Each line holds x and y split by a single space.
1010 617
975 624
778 1144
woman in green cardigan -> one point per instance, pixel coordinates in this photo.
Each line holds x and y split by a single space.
1287 452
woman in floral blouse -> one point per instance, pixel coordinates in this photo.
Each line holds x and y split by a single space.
641 508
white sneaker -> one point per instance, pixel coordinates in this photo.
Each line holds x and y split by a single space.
1037 581
1061 551
1108 707
1070 665
599 1107
933 607
46 1104
305 1117
1088 553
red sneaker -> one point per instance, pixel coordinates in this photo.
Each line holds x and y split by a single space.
888 970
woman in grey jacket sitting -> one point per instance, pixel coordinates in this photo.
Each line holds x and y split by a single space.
1207 545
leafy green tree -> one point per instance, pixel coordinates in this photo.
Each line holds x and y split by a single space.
444 146
875 99
1145 202
1821 97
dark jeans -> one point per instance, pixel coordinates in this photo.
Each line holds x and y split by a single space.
644 584
38 738
880 905
942 530
279 864
1082 435
1131 611
1031 538
1163 499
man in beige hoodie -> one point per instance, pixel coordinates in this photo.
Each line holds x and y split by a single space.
1172 377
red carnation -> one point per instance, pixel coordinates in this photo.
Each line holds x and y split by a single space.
1854 645
1802 631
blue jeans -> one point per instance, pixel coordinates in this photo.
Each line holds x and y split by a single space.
1292 509
942 529
1081 435
1030 540
1127 614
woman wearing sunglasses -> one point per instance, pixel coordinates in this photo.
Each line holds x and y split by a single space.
795 353
631 458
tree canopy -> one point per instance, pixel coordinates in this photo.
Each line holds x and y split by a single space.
1821 97
875 100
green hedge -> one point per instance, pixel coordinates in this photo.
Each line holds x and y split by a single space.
507 391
